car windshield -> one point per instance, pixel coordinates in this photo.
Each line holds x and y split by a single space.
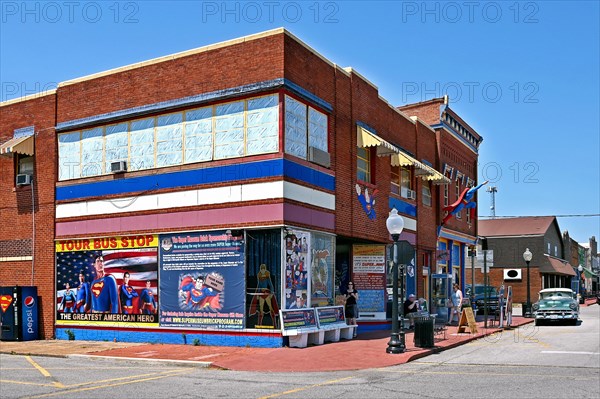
480 290
555 295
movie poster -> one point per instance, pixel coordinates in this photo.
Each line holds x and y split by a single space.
297 262
110 279
202 280
322 270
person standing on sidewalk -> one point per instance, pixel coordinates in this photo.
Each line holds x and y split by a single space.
456 301
351 308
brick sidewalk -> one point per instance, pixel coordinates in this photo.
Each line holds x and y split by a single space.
366 351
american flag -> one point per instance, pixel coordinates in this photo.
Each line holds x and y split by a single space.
141 264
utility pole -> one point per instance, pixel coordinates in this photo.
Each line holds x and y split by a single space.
493 190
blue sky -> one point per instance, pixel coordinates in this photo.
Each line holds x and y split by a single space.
525 75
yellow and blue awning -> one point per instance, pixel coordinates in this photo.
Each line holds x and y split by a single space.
399 157
18 145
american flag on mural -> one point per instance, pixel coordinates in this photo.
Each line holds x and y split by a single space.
141 264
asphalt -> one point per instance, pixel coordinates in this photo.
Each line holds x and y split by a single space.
366 351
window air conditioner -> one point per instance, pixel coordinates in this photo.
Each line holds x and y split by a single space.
319 157
512 274
118 167
23 180
410 194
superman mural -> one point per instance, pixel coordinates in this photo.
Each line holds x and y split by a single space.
101 279
202 280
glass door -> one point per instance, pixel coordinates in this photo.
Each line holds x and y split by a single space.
440 287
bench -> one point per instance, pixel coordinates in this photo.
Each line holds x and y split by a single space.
332 325
299 325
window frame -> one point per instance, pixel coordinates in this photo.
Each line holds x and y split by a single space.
368 161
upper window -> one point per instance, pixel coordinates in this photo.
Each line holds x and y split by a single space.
401 181
24 167
426 194
305 127
446 190
363 164
227 130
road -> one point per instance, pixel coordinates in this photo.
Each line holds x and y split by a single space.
531 362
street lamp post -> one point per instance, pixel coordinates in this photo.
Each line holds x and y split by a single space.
395 224
527 256
579 269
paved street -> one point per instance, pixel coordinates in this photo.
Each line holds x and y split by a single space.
531 362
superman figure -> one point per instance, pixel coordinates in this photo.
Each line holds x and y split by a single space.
147 301
105 297
464 201
84 294
201 297
126 294
68 300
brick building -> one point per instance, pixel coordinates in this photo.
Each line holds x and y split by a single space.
200 192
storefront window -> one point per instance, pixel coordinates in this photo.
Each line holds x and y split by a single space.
263 265
322 270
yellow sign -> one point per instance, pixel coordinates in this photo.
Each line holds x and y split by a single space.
467 318
117 242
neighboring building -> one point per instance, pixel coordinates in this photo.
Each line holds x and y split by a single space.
28 150
591 272
458 151
203 191
508 238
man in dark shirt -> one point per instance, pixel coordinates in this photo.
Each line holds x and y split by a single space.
411 307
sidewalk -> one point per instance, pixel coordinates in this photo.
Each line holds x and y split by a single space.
366 351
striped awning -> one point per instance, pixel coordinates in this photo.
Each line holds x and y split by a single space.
365 138
18 145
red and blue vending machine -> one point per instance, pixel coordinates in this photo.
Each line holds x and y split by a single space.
19 313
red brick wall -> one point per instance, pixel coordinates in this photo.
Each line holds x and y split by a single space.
16 208
496 279
455 154
239 64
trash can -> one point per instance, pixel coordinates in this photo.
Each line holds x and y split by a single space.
423 337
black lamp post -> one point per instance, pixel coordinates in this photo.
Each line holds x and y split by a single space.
527 256
395 224
580 270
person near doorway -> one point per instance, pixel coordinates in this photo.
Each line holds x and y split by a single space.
351 308
456 302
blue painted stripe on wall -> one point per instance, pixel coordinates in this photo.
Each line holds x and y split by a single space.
219 174
403 207
254 341
308 175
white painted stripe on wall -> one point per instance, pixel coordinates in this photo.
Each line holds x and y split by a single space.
207 196
410 224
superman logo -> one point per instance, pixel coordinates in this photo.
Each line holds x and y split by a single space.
5 301
97 288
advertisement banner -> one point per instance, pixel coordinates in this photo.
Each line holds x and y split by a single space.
322 270
111 279
297 260
370 279
330 315
298 319
202 280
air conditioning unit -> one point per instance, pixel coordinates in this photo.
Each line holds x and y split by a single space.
319 157
410 194
23 180
118 167
512 274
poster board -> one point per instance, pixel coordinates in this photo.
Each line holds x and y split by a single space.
467 318
368 271
298 319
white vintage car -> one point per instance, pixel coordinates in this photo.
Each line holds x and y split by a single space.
556 304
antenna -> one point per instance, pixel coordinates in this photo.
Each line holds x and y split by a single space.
493 190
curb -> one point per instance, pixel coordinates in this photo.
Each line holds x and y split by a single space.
138 359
